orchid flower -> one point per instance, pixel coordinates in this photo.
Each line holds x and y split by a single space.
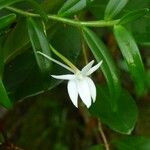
79 83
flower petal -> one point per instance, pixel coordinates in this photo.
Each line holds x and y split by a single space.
94 68
73 92
92 88
64 77
56 61
84 92
87 67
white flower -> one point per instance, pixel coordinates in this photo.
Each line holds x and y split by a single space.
81 84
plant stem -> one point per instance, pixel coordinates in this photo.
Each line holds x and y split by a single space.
103 135
99 23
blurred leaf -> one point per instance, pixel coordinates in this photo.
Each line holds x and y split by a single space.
70 46
100 52
7 20
11 46
39 9
72 6
39 43
132 56
4 3
96 147
133 143
121 120
133 15
1 57
97 8
4 99
113 8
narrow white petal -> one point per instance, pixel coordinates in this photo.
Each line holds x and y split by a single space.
56 61
64 77
94 68
73 92
87 67
84 92
92 88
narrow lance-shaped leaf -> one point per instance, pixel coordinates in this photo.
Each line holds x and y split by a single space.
4 99
72 6
4 3
39 43
100 52
6 20
133 15
132 56
113 8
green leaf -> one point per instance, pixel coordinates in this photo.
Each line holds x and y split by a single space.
133 143
123 119
4 3
11 46
22 77
7 20
1 57
132 56
100 52
4 99
39 9
72 6
113 8
133 15
96 147
39 43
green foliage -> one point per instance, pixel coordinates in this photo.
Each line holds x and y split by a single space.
4 99
132 56
123 119
96 147
113 8
134 143
5 3
6 20
39 43
133 15
55 29
100 52
72 6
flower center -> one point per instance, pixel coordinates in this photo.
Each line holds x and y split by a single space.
79 76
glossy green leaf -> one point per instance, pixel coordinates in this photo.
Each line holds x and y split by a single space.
113 8
4 3
7 20
4 99
39 43
100 52
133 15
123 119
132 56
133 143
72 6
96 147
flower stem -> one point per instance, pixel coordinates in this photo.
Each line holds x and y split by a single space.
103 135
99 23
70 64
